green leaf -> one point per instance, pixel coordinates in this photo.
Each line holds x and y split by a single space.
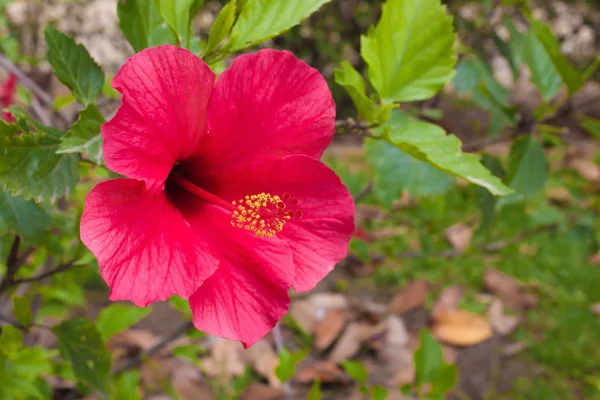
315 391
287 363
74 66
22 217
360 249
395 171
409 52
430 143
142 25
445 379
221 27
178 15
118 317
592 125
126 387
84 135
573 78
22 310
21 373
30 166
483 198
80 342
429 359
527 167
356 370
11 340
513 50
260 20
354 84
378 393
543 73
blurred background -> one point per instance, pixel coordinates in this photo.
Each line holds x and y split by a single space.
508 289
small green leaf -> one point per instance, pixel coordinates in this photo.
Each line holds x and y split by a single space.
221 27
573 78
117 318
360 249
527 167
142 25
378 393
592 125
354 84
30 166
178 15
445 379
543 73
22 310
287 363
429 143
429 359
80 342
182 306
84 135
11 340
126 387
409 52
356 370
22 217
74 66
483 198
260 20
315 391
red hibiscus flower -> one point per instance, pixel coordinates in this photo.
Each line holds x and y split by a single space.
226 202
7 96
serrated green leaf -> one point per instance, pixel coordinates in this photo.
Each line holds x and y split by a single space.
409 52
429 358
80 343
260 20
395 171
353 82
221 27
527 167
117 318
592 125
22 217
22 310
573 78
126 387
356 370
142 25
30 166
430 143
287 363
84 135
178 15
543 73
74 66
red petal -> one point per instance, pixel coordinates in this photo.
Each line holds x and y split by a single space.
162 115
269 103
145 249
319 239
247 295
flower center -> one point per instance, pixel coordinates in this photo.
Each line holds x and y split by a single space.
263 214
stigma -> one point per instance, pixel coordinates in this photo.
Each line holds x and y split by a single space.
264 214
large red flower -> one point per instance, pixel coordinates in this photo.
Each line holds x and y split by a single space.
226 202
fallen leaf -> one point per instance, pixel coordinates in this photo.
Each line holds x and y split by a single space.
450 354
325 371
256 391
132 341
509 290
368 331
388 232
410 297
595 259
347 345
188 383
303 312
501 323
329 300
595 308
586 168
263 359
329 328
395 357
156 372
225 360
461 328
459 236
559 194
448 300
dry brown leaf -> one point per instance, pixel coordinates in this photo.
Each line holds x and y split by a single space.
132 341
156 372
509 289
459 236
388 232
501 323
328 329
347 345
188 383
325 371
395 356
559 194
448 300
595 308
410 297
303 312
367 331
258 391
329 300
595 259
586 168
263 359
225 360
461 328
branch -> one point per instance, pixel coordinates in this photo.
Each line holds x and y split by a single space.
136 361
62 267
364 192
12 264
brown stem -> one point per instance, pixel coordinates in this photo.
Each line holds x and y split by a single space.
12 264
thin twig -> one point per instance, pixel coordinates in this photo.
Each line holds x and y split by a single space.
364 192
136 361
12 264
61 268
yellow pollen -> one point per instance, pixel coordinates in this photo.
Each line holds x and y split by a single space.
263 214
